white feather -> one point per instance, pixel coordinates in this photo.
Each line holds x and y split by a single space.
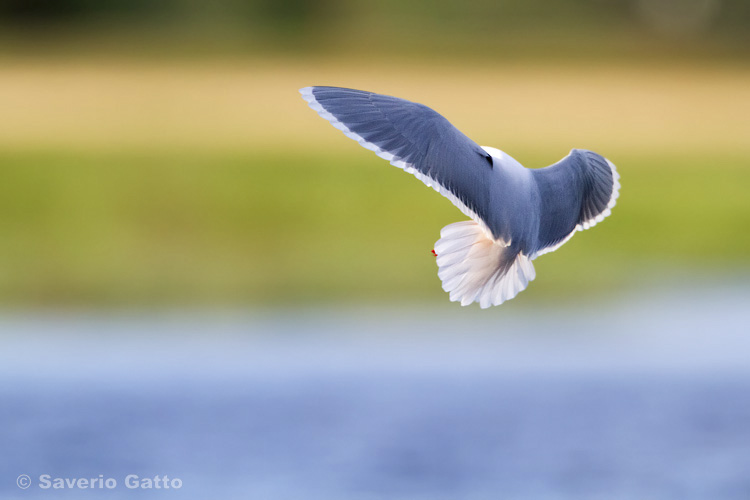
470 265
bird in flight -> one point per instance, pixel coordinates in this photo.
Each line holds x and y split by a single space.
517 214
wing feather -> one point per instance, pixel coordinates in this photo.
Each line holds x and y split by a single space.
575 193
413 137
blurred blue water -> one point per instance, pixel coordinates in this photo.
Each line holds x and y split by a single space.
646 398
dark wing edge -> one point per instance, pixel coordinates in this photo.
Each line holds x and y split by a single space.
597 180
405 154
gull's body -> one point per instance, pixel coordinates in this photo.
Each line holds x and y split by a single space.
517 213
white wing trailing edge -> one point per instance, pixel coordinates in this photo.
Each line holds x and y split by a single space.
394 159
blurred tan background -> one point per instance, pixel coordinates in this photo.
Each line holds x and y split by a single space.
158 154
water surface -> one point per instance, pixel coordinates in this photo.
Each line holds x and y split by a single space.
644 398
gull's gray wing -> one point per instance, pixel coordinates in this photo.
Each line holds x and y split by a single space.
413 137
575 193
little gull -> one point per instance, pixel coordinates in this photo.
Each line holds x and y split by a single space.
517 214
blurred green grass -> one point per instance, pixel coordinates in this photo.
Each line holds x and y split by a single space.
158 183
231 227
156 153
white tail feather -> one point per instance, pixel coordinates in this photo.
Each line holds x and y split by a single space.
476 268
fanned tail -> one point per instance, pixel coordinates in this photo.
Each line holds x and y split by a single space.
476 268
